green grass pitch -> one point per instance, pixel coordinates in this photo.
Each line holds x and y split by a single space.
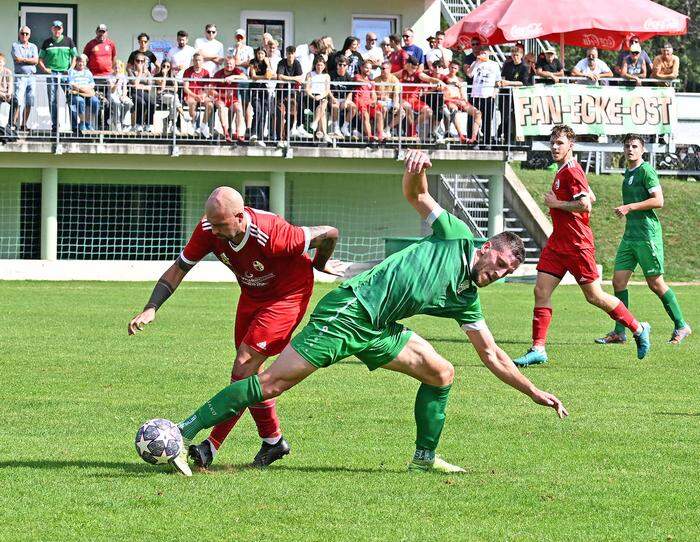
624 466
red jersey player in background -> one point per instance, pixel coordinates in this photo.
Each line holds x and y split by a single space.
268 257
571 248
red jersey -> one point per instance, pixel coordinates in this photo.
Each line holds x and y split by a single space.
363 93
410 88
269 263
227 89
571 231
196 85
101 55
398 60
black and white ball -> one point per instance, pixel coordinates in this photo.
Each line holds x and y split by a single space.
158 441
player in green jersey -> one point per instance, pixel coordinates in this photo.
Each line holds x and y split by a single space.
437 276
642 243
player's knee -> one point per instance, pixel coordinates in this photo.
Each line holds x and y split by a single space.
594 298
619 284
541 294
657 285
440 374
272 386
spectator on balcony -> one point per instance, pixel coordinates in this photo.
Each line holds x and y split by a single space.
181 55
272 48
143 95
592 68
101 53
476 48
25 55
515 72
634 69
371 52
369 109
388 90
411 48
227 101
211 49
82 100
290 72
350 53
386 48
666 65
549 67
7 90
144 41
341 100
456 101
120 101
56 56
326 48
168 95
306 54
197 95
438 52
412 98
531 63
318 89
244 54
633 40
486 74
398 56
259 73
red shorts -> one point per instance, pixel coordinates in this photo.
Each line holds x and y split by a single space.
371 108
416 103
581 264
267 326
461 103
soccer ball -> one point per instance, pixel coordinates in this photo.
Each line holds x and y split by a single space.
158 441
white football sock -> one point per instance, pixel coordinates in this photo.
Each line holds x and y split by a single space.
272 440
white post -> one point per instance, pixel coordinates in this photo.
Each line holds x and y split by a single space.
495 205
277 192
49 213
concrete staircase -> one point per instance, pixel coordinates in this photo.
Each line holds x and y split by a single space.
469 198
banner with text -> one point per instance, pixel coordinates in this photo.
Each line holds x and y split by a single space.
597 110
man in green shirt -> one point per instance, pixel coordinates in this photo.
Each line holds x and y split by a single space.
56 57
642 243
437 276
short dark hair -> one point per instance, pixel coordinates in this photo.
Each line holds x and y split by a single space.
182 34
290 49
143 35
439 33
509 240
563 129
633 137
412 60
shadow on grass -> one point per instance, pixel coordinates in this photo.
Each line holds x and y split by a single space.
51 464
688 414
224 469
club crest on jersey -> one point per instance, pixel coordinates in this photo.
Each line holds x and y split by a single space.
556 184
258 266
464 285
224 259
631 180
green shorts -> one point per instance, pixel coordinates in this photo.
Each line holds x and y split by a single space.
649 254
340 327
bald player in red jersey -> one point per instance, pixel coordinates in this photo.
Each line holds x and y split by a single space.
268 257
571 248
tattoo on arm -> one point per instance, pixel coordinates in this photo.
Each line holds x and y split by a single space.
323 239
183 265
161 292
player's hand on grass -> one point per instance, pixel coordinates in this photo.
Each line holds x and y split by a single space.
416 161
621 211
547 399
335 267
140 320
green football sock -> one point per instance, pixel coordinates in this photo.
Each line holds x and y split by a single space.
225 404
673 309
624 296
429 411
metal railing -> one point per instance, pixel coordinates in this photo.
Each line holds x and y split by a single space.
258 113
618 81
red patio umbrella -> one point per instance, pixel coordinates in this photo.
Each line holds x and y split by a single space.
591 23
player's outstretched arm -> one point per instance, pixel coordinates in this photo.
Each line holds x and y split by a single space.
163 289
415 183
581 204
498 362
324 239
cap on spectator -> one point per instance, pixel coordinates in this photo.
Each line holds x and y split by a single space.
549 50
57 24
240 32
635 48
83 57
101 28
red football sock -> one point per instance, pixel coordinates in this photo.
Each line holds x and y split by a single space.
541 318
622 315
220 432
265 416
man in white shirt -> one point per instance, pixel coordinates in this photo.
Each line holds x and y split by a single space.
371 52
439 52
211 49
243 54
592 68
180 56
486 74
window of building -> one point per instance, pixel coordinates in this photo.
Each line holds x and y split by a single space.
257 196
381 25
280 24
39 17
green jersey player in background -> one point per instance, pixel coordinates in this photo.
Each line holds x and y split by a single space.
438 276
642 243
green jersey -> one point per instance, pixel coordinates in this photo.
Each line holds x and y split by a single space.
430 277
58 54
638 185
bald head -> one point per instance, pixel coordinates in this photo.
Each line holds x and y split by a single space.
225 202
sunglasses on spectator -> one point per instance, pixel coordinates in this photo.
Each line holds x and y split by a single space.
24 33
634 53
211 31
405 36
373 39
140 61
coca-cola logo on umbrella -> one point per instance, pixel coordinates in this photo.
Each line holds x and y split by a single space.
593 40
663 25
523 32
486 29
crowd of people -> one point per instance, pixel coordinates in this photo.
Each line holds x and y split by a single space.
368 91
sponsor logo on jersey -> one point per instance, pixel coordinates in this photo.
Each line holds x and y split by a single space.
262 344
258 266
464 285
556 184
224 259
